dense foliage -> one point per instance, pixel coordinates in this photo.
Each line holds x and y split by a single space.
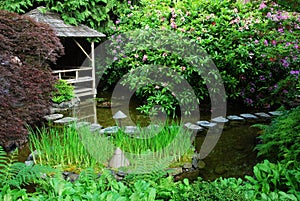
280 178
255 46
281 140
97 14
26 82
62 92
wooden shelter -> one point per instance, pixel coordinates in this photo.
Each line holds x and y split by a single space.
71 67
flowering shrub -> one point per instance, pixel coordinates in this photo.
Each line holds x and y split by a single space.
254 45
26 82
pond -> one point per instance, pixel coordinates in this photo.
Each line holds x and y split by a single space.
233 156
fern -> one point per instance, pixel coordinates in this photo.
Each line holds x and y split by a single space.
6 165
281 139
16 174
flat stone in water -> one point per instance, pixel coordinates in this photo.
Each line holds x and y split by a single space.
220 120
193 126
110 130
275 113
53 117
29 163
82 124
175 171
206 124
130 129
154 127
95 127
248 116
65 120
262 114
187 166
235 118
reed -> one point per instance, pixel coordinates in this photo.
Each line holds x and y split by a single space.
155 147
61 147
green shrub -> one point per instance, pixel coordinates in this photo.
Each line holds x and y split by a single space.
281 139
254 46
63 92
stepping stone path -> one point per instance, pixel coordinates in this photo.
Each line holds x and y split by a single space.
206 124
53 117
235 118
220 120
248 116
262 114
66 120
276 113
193 127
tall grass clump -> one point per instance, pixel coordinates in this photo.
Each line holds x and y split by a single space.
155 146
63 147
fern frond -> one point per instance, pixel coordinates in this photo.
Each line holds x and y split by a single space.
16 174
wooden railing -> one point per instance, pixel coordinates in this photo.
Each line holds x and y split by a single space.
72 76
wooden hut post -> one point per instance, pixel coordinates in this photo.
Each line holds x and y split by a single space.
93 69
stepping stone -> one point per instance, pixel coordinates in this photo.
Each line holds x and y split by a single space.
276 113
82 124
53 117
65 120
153 126
110 130
262 114
206 124
193 127
235 118
220 120
131 129
248 116
95 127
29 163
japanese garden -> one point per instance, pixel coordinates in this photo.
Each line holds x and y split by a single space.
150 100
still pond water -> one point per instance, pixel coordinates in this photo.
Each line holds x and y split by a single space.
233 155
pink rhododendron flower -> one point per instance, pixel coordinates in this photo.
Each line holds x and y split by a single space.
145 57
262 6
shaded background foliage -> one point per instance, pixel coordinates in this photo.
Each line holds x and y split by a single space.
97 14
26 82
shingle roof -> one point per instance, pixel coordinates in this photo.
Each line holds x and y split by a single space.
59 26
